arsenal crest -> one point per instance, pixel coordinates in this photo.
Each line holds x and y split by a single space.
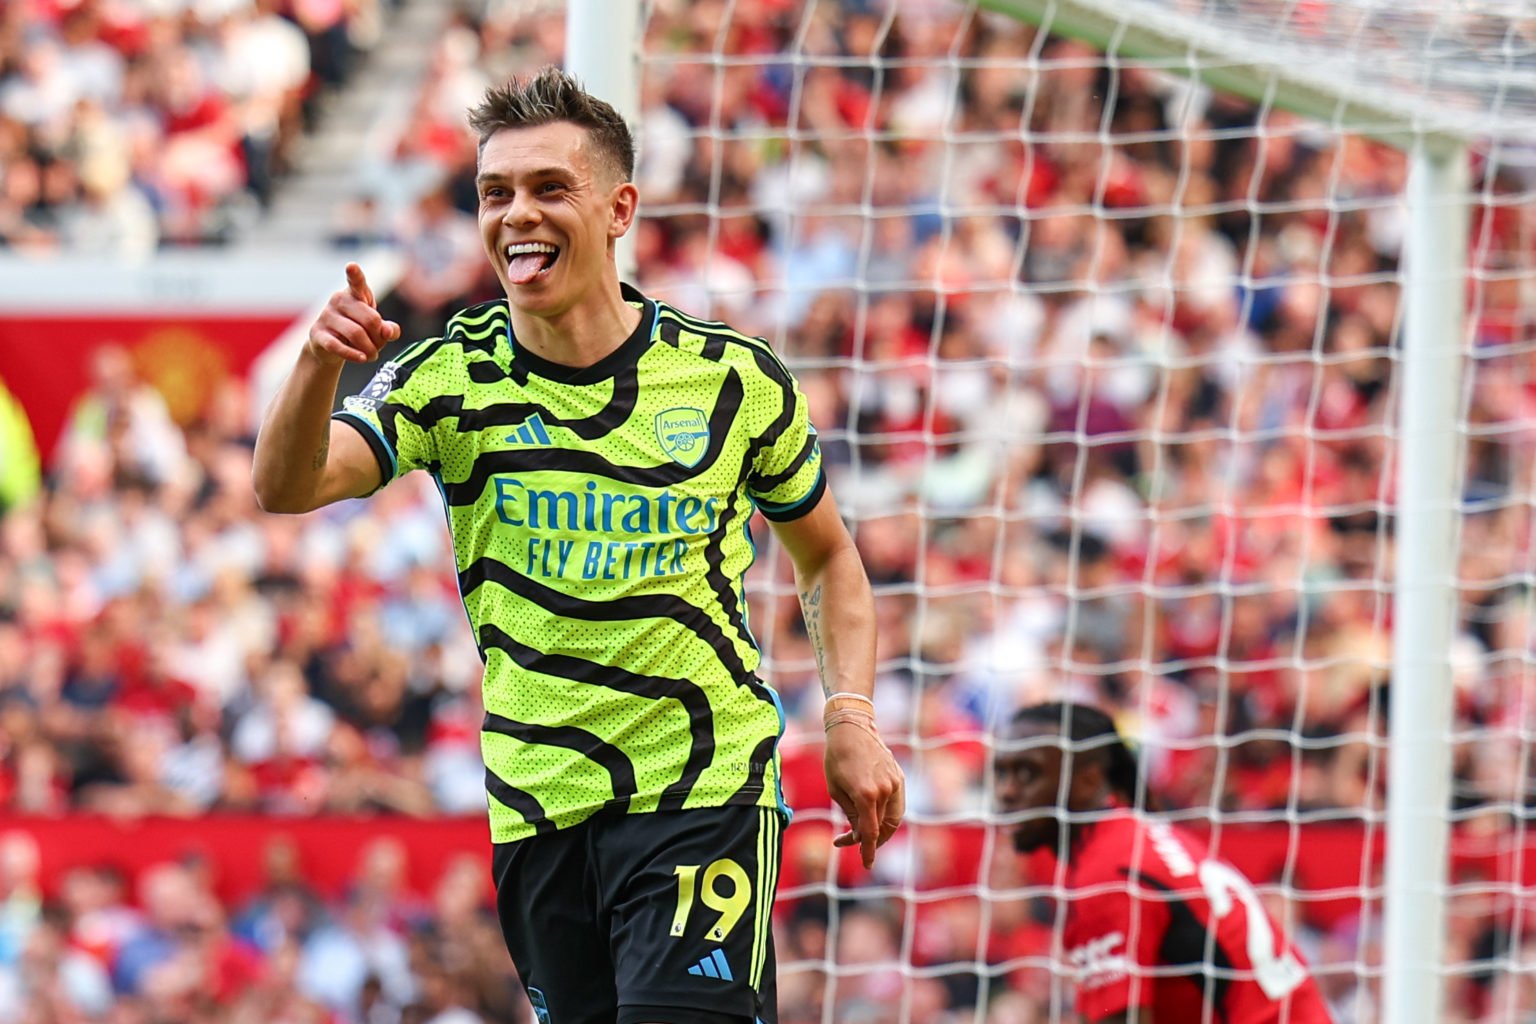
684 434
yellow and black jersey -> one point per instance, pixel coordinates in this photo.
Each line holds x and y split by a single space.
600 528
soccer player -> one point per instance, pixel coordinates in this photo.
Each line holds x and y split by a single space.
599 455
1157 931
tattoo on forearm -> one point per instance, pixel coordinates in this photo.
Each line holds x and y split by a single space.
810 607
321 454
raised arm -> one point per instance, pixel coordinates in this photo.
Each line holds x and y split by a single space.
839 611
304 459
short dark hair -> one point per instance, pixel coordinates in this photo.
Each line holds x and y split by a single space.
548 96
1092 732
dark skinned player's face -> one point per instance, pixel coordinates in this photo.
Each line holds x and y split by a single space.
1028 781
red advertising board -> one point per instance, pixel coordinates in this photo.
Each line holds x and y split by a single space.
45 360
1330 864
235 849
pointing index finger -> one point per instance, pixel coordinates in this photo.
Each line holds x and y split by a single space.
358 284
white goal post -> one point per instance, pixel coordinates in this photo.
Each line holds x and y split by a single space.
1444 81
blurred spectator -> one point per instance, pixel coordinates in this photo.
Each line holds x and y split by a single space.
340 957
121 413
444 264
112 217
286 909
184 952
21 895
51 973
20 472
263 66
360 222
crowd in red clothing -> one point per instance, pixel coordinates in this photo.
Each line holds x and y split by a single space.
1104 368
124 126
162 945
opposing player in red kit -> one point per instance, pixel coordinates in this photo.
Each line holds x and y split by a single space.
1157 931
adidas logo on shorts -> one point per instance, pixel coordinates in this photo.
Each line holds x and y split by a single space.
713 966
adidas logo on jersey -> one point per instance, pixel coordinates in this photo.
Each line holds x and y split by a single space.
530 432
713 966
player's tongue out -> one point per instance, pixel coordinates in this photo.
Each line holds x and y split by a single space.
524 267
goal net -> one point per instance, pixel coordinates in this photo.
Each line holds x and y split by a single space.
1098 308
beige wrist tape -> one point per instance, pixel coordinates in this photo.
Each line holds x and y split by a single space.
848 702
850 716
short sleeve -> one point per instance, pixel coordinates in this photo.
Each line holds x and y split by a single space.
1111 940
787 480
390 411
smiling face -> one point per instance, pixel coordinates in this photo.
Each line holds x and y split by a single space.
1028 779
550 210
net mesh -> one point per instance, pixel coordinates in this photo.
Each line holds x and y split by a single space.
1105 365
1465 68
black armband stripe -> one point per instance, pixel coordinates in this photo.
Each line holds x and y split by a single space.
796 510
376 443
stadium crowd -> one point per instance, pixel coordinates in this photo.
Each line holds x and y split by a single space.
128 126
1106 386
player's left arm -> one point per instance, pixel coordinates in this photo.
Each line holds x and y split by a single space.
839 610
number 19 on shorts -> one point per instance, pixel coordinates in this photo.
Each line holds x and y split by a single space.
723 887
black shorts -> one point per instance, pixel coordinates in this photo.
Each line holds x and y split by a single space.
633 918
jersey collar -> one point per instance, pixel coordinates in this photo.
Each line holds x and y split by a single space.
625 355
